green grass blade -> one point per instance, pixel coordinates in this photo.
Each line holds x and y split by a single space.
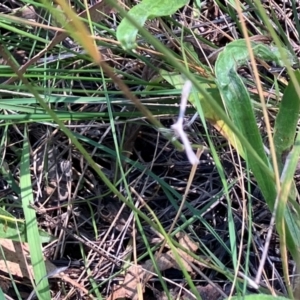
286 120
34 241
284 136
287 212
2 297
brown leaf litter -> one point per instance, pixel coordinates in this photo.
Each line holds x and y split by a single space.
137 276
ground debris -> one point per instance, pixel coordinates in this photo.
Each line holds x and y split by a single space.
207 292
137 276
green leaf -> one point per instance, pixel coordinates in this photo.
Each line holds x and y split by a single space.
288 211
2 297
34 241
284 139
286 120
238 103
147 9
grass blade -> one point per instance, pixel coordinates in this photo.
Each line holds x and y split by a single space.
34 241
286 121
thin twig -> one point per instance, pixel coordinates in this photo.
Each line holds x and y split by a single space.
178 126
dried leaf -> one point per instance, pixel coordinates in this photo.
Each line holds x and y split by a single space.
27 12
14 261
128 289
5 284
118 292
208 292
138 276
185 241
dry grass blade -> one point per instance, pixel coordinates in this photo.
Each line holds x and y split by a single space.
61 35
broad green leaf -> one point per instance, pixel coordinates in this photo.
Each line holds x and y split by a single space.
14 229
140 13
210 115
238 103
258 297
